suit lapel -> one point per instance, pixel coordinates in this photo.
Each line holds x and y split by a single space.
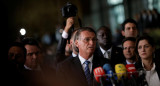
77 68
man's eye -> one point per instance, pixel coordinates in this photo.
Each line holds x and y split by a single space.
30 54
87 39
94 39
124 48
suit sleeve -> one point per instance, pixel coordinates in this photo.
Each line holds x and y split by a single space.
60 53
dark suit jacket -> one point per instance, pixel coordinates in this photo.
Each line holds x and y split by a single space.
60 53
70 72
116 55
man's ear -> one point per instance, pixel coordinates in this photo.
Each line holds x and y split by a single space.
71 41
123 33
76 43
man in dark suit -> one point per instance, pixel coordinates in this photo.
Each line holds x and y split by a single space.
128 45
106 49
72 71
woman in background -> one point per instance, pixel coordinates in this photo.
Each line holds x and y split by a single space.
145 49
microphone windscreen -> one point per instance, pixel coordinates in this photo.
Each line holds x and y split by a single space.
98 72
131 68
108 69
120 70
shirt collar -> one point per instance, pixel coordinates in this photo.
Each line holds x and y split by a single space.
129 62
82 60
103 51
153 68
27 67
73 54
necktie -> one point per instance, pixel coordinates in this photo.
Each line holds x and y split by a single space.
87 72
107 54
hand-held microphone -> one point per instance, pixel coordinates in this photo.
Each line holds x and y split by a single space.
120 70
131 71
108 69
132 74
141 77
99 75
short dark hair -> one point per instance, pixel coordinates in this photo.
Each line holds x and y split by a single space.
83 29
129 20
30 41
105 27
18 44
128 39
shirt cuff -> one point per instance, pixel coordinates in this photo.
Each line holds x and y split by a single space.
65 35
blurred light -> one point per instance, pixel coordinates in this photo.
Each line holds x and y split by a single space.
114 2
22 31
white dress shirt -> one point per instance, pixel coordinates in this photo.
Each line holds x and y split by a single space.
82 60
65 35
129 62
73 54
105 53
152 76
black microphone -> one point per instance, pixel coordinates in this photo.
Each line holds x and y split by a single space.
141 77
108 69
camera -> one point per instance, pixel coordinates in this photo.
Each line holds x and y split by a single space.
69 10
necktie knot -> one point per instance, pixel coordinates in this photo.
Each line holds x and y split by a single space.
87 62
107 54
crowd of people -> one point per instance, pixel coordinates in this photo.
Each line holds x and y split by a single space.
78 56
148 19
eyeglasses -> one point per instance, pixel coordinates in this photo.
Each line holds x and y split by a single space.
89 39
126 48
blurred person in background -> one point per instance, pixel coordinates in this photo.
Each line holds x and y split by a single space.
34 55
15 65
128 45
106 49
130 28
66 47
36 72
17 55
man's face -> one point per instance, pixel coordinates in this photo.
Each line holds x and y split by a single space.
86 42
16 54
104 37
33 56
128 49
130 30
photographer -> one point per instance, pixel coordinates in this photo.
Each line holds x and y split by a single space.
66 46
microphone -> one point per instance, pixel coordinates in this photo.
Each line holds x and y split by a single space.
131 71
120 70
132 74
108 69
99 75
141 79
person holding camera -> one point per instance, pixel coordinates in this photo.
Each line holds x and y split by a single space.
66 46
